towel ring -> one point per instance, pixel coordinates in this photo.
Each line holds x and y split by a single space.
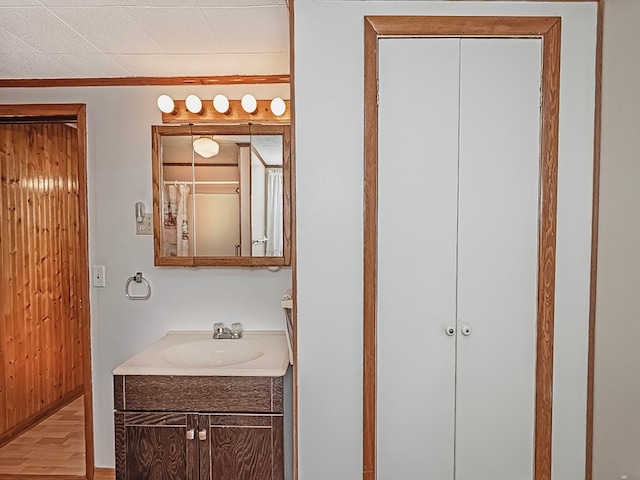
138 278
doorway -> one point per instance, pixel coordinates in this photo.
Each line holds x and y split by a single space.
541 294
45 360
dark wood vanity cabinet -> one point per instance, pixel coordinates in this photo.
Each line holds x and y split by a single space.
198 428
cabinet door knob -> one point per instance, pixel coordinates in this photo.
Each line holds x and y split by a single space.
202 434
466 330
191 434
450 330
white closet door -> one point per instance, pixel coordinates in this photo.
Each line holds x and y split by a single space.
417 209
497 258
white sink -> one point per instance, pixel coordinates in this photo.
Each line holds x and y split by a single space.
211 353
197 353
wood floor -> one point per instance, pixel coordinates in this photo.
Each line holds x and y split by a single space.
53 447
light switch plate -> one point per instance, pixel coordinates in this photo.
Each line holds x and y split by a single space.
146 226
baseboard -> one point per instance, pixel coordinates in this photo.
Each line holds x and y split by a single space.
28 476
98 474
104 474
29 423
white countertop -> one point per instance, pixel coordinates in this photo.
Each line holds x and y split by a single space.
196 353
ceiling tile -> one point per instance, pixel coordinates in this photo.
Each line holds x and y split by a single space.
9 43
31 66
91 65
157 3
18 3
110 29
260 63
239 3
78 3
41 29
250 29
175 65
177 30
143 38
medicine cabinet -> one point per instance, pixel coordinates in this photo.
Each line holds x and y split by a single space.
222 195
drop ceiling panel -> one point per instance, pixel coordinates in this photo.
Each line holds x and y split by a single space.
177 30
240 3
15 65
114 38
175 65
267 63
157 3
41 29
110 29
78 3
250 29
88 65
11 44
18 3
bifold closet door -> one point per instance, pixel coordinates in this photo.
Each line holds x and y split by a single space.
417 210
497 257
458 163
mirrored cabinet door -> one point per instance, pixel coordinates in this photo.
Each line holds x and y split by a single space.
222 195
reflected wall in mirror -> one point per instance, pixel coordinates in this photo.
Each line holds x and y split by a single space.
222 195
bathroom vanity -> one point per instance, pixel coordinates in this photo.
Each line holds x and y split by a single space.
191 407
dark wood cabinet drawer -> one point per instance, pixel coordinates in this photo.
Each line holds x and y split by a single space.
198 394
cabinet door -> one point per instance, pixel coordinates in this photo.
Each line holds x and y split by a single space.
497 257
241 447
156 446
417 226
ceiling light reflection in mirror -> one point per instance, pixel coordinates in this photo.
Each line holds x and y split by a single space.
206 147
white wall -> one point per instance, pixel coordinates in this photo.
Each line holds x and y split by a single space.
617 360
329 158
119 171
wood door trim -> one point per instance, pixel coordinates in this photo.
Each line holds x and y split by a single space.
548 29
46 111
597 135
75 111
293 246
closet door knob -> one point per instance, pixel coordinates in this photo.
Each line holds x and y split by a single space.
450 331
466 330
191 434
202 434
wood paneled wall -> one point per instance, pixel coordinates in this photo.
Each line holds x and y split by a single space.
40 311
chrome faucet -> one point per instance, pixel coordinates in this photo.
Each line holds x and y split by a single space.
222 332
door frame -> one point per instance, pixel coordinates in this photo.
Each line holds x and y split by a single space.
72 112
548 29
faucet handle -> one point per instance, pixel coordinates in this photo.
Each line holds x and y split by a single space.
218 327
236 330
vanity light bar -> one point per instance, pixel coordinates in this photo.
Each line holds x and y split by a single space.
223 110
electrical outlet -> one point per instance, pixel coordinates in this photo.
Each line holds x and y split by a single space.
146 226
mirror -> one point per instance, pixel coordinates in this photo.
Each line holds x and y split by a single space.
221 195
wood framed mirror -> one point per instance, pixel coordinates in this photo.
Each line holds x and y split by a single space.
222 195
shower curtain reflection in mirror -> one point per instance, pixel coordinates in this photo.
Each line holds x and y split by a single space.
175 221
274 212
